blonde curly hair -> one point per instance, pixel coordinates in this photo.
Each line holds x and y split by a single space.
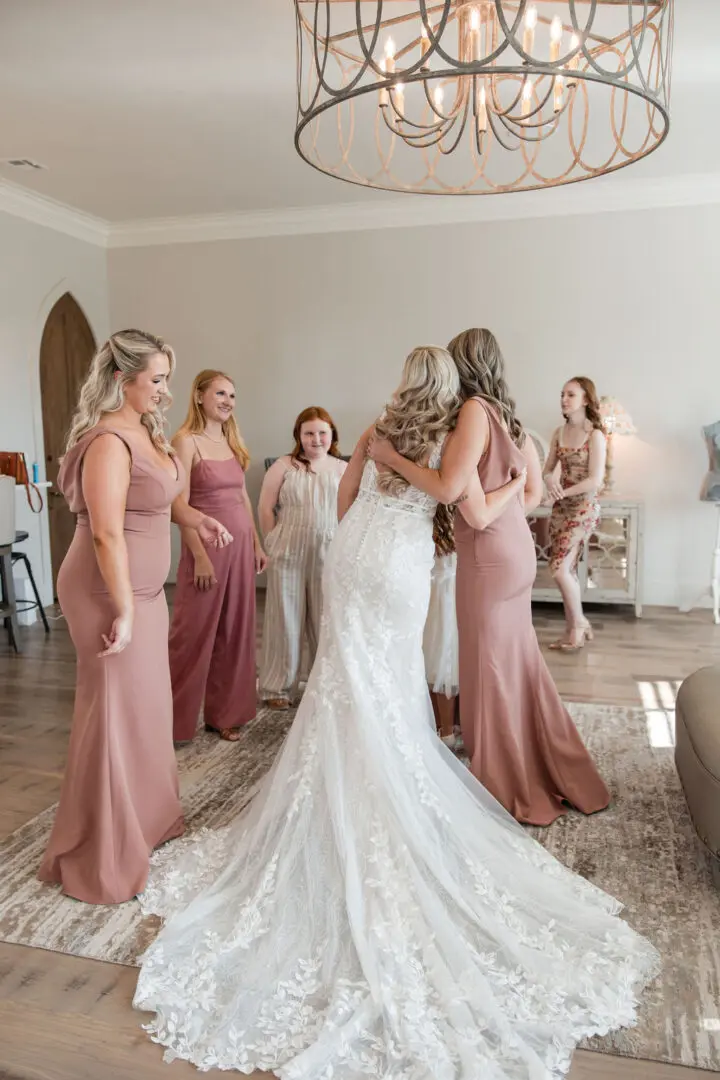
423 410
128 353
481 366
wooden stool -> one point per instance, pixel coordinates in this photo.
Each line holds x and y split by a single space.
8 603
28 605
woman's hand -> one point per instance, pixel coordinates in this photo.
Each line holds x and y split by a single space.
119 637
554 490
212 533
204 573
382 452
261 559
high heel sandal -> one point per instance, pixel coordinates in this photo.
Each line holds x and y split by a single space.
227 734
585 634
278 703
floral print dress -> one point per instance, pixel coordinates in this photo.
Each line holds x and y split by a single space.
574 519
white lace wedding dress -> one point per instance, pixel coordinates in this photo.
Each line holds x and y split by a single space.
374 912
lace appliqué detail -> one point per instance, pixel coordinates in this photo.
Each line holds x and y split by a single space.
374 912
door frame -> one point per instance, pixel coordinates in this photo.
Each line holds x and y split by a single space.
43 573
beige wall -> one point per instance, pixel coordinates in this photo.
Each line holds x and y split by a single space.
38 265
628 298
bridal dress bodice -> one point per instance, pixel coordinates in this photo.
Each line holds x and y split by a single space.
374 913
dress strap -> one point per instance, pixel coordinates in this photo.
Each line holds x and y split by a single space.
197 447
101 430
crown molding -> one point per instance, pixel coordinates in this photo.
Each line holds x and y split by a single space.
608 194
41 210
603 195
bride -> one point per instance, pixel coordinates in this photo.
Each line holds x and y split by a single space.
374 912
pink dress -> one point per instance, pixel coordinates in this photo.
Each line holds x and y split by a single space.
212 638
119 797
522 744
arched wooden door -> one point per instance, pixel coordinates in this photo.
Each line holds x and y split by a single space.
66 350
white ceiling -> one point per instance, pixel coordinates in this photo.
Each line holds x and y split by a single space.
163 108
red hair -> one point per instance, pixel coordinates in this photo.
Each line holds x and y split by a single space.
314 412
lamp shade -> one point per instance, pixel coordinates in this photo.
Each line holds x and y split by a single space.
616 420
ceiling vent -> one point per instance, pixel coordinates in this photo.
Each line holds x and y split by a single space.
26 164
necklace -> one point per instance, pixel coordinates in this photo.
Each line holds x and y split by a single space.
210 438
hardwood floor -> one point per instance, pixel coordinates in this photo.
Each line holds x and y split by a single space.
65 1018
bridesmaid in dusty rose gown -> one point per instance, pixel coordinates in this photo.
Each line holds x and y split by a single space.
522 744
212 638
119 797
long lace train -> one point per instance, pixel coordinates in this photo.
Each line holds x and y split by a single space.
374 912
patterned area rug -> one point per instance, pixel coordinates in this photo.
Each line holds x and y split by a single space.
643 850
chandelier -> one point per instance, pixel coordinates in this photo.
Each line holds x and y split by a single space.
461 97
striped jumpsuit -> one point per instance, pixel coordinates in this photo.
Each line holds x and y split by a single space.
296 547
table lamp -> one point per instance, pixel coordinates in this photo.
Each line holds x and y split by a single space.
616 421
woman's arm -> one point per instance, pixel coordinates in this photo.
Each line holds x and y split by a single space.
534 488
350 480
551 460
260 556
461 455
269 495
105 483
480 508
596 471
551 472
185 449
208 529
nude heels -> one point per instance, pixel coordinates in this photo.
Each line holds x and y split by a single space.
585 633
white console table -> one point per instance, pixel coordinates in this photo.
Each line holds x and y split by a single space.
610 568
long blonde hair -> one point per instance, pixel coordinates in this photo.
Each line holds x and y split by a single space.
194 422
481 368
128 353
423 410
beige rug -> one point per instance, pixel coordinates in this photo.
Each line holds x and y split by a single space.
643 850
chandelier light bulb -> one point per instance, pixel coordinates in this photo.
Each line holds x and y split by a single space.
556 33
527 97
438 95
531 17
390 56
474 20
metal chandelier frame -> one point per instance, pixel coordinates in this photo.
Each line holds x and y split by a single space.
480 96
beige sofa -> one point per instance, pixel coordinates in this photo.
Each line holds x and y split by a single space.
697 755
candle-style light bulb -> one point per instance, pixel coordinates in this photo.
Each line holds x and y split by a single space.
556 33
475 38
389 56
527 97
438 95
530 24
383 93
399 89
